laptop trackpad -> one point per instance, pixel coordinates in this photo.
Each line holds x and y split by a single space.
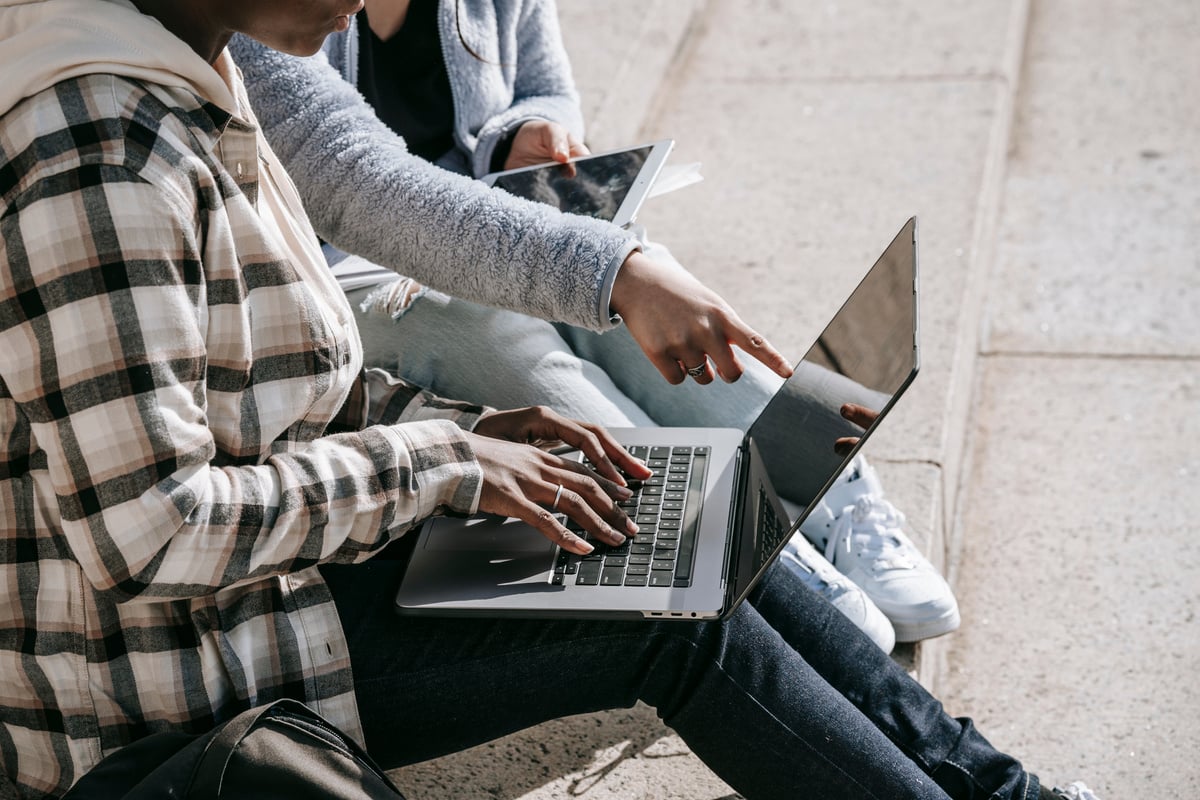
484 557
487 532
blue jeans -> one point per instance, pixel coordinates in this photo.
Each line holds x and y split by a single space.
786 699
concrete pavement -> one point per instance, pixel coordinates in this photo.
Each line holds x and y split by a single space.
1048 452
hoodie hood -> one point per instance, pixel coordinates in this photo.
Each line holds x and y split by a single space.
43 42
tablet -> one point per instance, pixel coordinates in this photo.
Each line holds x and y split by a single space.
609 185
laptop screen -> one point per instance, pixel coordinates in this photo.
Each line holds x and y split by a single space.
866 356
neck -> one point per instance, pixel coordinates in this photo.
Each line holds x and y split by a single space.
190 24
386 17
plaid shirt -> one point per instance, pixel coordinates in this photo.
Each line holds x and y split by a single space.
167 484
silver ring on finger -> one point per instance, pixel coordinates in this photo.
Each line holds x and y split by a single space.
557 497
698 370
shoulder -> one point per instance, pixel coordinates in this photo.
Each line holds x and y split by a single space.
111 129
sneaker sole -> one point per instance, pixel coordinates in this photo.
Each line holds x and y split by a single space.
907 632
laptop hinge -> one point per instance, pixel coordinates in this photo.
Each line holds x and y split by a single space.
730 566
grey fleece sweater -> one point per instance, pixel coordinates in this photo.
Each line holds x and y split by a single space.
366 194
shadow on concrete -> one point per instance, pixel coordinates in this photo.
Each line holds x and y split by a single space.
610 754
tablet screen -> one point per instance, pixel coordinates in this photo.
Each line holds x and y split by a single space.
597 189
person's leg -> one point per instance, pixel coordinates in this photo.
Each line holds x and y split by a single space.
491 356
950 750
738 694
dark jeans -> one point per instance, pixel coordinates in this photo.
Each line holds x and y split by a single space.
786 699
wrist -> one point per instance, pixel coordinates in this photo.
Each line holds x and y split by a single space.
630 281
502 149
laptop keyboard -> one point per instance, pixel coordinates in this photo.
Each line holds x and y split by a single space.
666 507
770 528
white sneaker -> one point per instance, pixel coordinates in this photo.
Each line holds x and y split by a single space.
862 535
1076 790
802 559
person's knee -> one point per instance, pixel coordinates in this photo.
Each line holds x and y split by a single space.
680 656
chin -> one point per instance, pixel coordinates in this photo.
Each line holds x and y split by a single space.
299 41
299 46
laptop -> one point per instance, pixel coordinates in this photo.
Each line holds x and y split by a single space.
721 503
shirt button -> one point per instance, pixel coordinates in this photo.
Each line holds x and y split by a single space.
240 169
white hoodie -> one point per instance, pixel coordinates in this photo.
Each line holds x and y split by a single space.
43 42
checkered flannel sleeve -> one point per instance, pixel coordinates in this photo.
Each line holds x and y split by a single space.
106 327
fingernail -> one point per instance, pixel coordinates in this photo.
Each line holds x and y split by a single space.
624 491
587 547
631 526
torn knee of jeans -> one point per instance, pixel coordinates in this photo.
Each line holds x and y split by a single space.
393 298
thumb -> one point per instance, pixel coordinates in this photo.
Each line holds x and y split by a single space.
577 148
558 142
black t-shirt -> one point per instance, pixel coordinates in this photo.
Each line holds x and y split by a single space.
405 81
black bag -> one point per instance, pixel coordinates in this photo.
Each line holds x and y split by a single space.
283 750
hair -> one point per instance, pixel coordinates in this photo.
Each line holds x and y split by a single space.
463 41
458 29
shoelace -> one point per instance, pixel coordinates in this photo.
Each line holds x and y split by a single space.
828 587
872 525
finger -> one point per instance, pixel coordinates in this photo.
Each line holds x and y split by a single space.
757 346
609 458
588 441
548 525
701 373
630 465
595 511
668 367
560 144
557 141
844 445
601 492
625 461
859 415
726 362
592 440
577 148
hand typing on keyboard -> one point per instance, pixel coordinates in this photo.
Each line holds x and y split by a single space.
665 506
525 482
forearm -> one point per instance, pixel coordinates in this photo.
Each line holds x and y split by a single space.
171 445
339 499
367 195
